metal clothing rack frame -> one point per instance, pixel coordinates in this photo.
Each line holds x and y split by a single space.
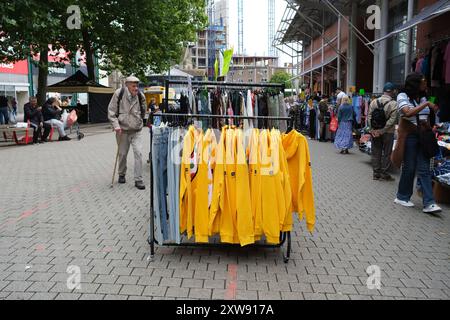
285 237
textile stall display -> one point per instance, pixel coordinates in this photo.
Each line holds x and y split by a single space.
434 64
441 170
219 180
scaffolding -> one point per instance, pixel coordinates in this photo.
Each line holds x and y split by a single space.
271 24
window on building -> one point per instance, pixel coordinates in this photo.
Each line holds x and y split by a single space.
397 45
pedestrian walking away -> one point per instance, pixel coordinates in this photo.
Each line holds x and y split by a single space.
344 135
382 118
126 112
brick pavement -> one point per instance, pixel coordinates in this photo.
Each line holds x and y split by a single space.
64 213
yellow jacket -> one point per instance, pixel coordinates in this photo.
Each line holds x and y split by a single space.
254 166
189 180
300 172
244 216
284 192
231 193
204 190
218 203
272 211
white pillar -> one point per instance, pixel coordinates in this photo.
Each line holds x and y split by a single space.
383 44
409 39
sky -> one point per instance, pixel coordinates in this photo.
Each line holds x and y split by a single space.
255 25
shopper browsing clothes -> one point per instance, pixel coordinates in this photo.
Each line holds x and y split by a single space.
409 153
383 117
126 112
344 135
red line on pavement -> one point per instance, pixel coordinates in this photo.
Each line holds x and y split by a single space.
230 293
45 205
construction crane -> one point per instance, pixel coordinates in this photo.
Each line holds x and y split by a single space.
271 24
241 26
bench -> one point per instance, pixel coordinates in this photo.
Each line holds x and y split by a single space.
21 136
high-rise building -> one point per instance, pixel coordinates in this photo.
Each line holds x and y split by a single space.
200 57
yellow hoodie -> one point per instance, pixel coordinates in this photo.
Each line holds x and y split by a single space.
300 173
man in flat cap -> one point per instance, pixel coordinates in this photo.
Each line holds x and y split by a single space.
126 112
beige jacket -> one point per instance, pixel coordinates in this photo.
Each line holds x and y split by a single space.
391 113
130 115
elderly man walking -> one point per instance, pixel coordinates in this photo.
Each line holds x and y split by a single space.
126 112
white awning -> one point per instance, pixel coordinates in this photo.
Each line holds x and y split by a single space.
428 13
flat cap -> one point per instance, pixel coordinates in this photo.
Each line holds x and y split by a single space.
132 79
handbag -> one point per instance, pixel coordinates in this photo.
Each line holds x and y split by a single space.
427 139
334 125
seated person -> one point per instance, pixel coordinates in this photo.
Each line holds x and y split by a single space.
52 115
33 113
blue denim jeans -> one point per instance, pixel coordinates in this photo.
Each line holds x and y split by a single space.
159 161
4 116
413 162
173 174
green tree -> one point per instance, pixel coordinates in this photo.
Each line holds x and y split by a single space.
282 77
132 36
27 28
137 36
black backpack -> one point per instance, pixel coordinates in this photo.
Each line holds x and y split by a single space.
141 104
379 119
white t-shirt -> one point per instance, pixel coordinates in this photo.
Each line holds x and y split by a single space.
339 97
403 101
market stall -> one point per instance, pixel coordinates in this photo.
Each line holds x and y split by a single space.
99 96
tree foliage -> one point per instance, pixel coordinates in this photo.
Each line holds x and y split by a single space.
132 36
282 77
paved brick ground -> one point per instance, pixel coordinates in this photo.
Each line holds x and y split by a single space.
57 210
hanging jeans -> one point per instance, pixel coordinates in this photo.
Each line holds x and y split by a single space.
173 188
415 161
159 162
4 115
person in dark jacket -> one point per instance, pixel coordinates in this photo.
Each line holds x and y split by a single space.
52 113
33 113
324 118
4 114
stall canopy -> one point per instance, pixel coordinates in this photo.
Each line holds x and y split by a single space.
99 96
79 83
428 13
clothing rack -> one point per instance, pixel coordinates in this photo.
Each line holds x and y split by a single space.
200 84
285 237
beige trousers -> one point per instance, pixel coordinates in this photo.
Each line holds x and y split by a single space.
133 139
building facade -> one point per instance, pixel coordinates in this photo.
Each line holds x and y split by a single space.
340 49
253 69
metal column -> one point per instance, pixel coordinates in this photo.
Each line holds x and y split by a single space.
409 39
376 64
311 82
338 78
352 50
323 56
383 44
